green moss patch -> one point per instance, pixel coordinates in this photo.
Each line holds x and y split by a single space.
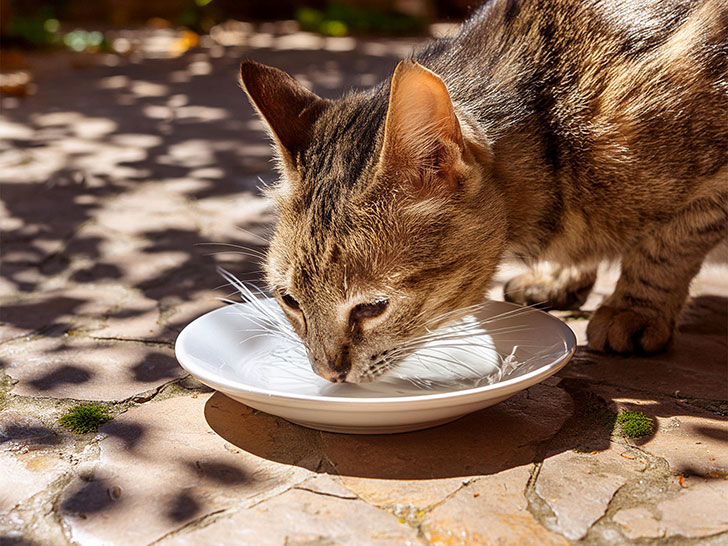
83 419
634 424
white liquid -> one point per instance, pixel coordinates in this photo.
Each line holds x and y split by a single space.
279 364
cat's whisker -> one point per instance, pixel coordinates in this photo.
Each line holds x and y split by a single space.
269 318
476 307
519 310
264 186
256 336
238 252
233 245
259 237
443 355
458 331
450 314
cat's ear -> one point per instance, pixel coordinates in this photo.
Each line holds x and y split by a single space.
287 106
422 134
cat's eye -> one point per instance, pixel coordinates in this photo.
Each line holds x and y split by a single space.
290 301
367 310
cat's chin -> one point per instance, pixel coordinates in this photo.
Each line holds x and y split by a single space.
361 380
370 376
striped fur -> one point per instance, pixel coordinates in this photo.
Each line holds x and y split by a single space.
566 132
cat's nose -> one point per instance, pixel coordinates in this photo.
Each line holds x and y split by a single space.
333 376
339 365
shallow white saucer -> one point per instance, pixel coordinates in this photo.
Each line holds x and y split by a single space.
225 350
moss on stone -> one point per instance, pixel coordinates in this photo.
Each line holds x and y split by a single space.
634 424
83 419
6 385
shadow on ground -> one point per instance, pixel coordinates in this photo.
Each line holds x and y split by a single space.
541 422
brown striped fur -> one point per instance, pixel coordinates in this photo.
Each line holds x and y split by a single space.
563 132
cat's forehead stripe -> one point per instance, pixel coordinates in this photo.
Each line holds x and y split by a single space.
344 142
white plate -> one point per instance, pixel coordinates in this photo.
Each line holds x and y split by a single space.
225 350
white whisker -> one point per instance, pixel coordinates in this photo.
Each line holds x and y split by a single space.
459 354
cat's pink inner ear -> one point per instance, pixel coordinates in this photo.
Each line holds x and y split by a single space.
287 106
421 130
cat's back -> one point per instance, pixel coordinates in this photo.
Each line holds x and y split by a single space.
628 90
662 103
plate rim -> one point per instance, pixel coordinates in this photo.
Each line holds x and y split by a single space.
189 363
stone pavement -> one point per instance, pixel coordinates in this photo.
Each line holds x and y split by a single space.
115 176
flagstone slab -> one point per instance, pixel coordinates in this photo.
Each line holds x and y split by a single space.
639 522
80 367
301 517
161 319
52 311
693 445
29 458
491 511
685 433
26 474
578 486
420 468
161 466
699 509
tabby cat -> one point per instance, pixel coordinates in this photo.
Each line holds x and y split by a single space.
563 132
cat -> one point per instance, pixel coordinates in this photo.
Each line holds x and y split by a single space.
563 132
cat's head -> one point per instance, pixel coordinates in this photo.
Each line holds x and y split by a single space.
386 222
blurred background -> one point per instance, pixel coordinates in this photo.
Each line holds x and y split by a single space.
85 25
123 26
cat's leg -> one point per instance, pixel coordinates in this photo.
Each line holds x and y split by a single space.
639 317
552 286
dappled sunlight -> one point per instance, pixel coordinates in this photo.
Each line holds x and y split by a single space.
144 89
123 184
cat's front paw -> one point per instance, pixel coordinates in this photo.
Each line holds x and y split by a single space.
546 292
624 331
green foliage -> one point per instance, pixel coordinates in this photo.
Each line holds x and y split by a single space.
35 24
83 419
199 15
634 424
340 20
32 30
83 40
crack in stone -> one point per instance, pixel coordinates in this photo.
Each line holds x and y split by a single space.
655 484
28 336
466 483
211 517
150 342
537 506
49 527
324 494
415 516
51 524
198 523
180 386
393 510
